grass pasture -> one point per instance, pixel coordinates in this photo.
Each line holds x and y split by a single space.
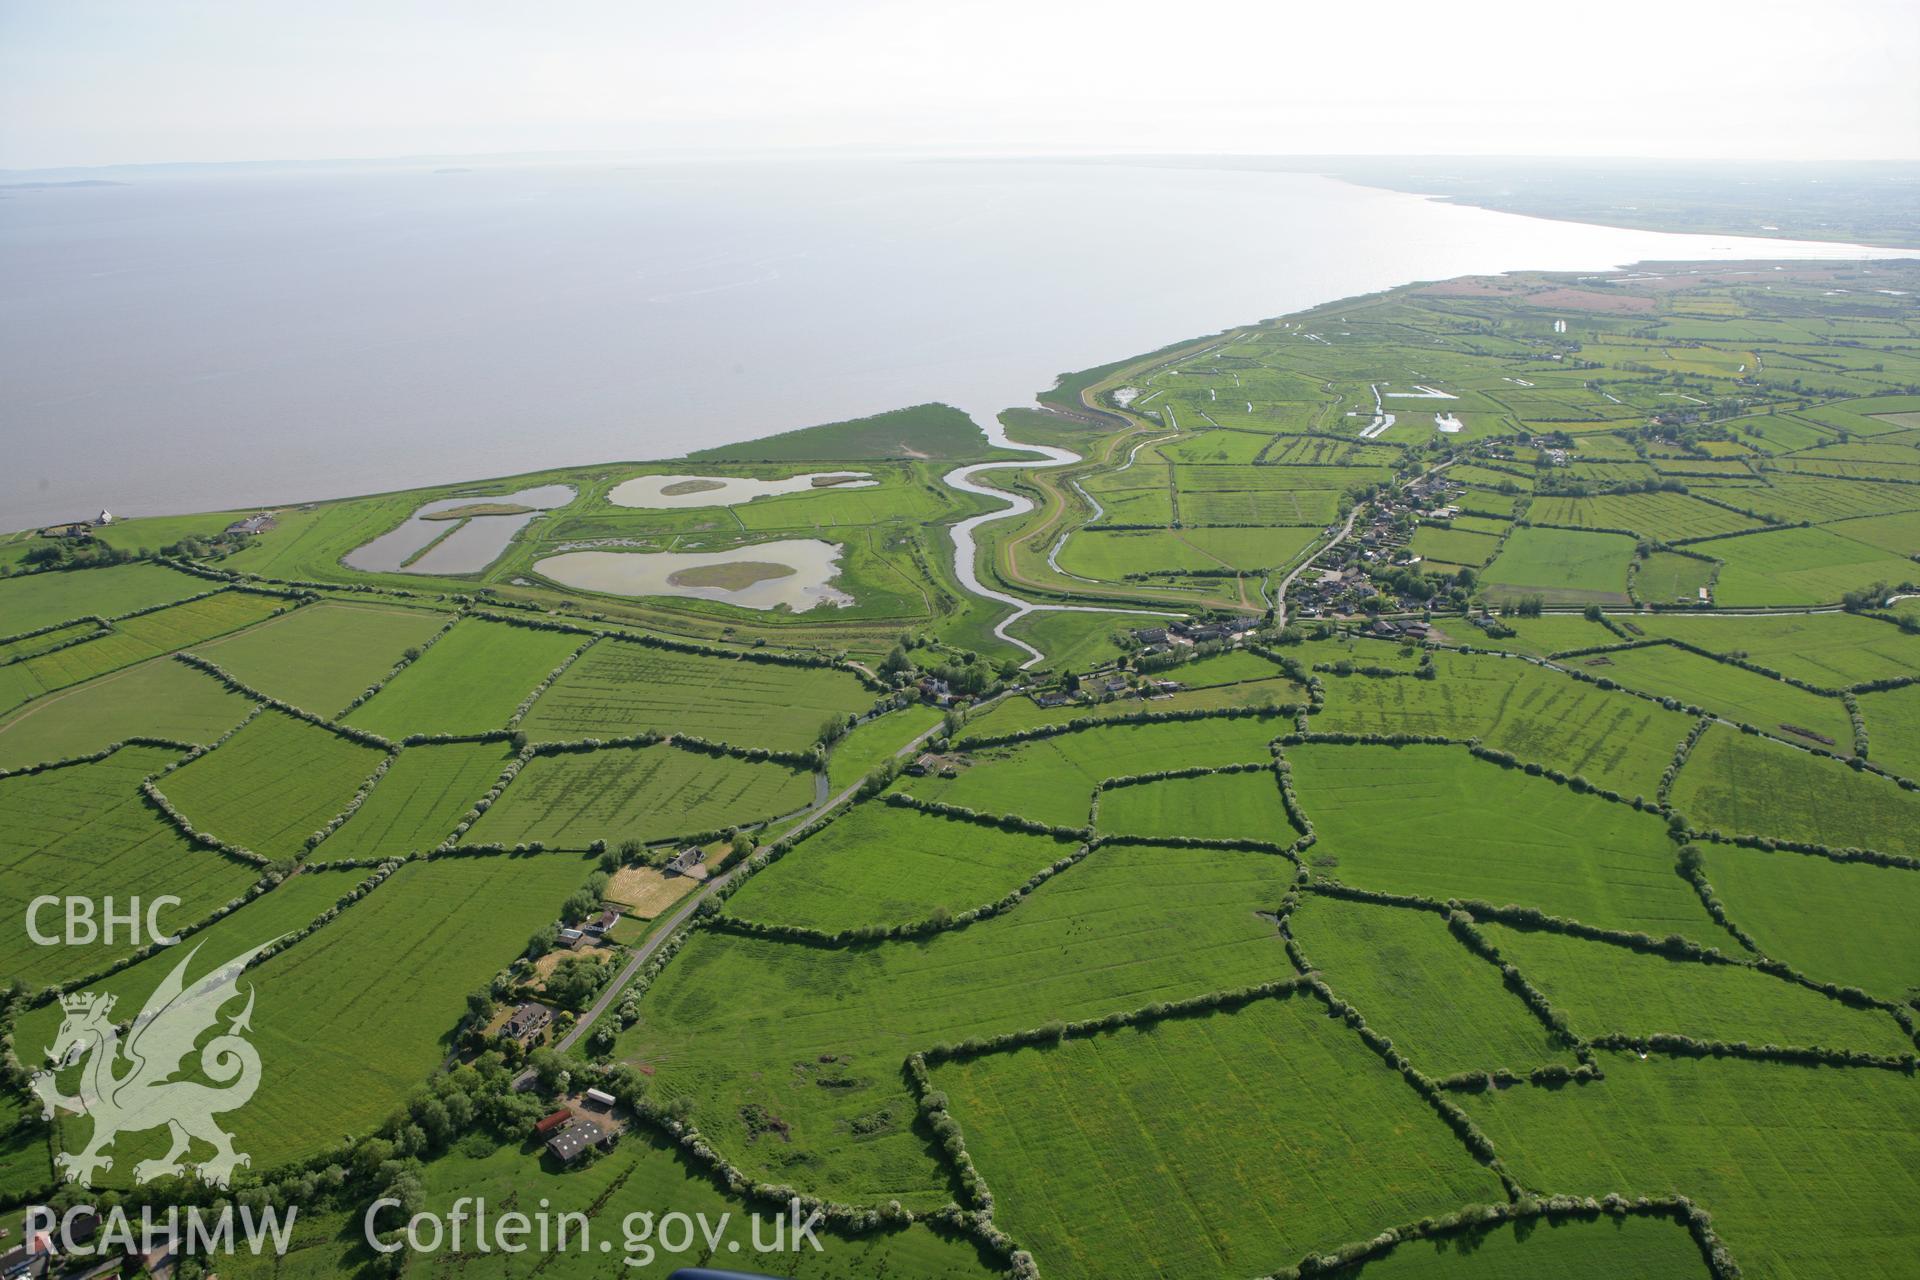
86 831
1666 517
1436 822
1052 779
815 1036
1454 546
1732 692
1604 989
1733 1135
271 785
470 681
1743 785
35 600
415 805
1893 729
157 699
1646 1248
1666 576
1444 1007
873 742
1221 1145
1020 712
1611 738
393 970
569 800
1219 806
1831 650
1800 566
1561 566
886 865
136 640
618 688
1844 922
324 656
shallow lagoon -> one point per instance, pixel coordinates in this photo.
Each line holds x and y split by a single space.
472 544
726 491
814 566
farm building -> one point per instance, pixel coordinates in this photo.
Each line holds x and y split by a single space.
572 938
253 524
1151 635
550 1124
573 1141
599 1097
686 860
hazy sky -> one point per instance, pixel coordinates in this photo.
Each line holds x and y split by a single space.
111 81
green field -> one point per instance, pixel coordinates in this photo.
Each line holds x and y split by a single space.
1850 923
416 804
37 600
637 793
1830 650
1893 729
1649 1248
1800 566
1436 822
1052 779
469 682
1125 927
1789 1198
875 741
1220 806
393 971
1742 785
1665 516
1769 705
271 785
1604 989
642 1176
887 865
1017 713
1612 739
1560 565
617 689
1443 1006
85 830
136 640
158 699
1226 1145
323 657
1667 576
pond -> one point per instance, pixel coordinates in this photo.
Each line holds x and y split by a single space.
797 573
726 491
467 543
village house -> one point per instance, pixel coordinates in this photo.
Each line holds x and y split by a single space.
686 860
600 924
527 1021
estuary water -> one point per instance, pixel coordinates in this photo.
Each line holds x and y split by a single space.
193 341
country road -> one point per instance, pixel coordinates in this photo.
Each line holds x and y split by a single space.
645 951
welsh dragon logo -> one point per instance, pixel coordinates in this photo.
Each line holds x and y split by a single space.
129 1087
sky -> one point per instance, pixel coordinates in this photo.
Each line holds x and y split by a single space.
98 82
